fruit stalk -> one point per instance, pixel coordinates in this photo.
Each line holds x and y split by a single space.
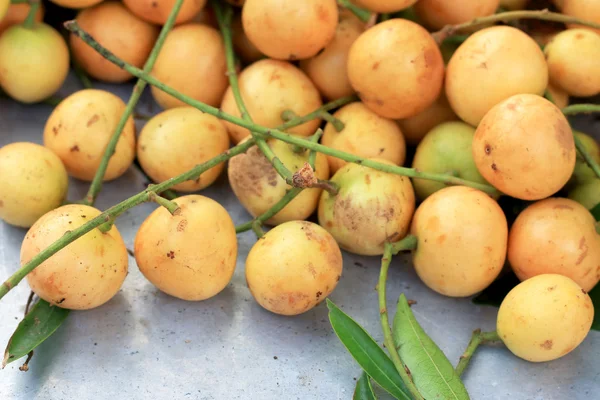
275 133
408 243
477 339
581 109
363 15
543 15
138 89
30 19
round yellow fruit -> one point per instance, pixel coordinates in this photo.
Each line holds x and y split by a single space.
157 11
545 318
491 66
572 56
177 140
33 180
4 6
588 10
259 187
17 13
293 267
85 274
436 14
371 208
559 96
290 30
118 30
385 6
524 147
190 255
76 3
396 68
461 252
268 88
79 129
556 236
365 134
22 53
243 46
192 61
587 194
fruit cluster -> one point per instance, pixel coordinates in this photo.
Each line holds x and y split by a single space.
480 116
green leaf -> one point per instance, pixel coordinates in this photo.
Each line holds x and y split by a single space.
37 326
364 390
431 370
366 352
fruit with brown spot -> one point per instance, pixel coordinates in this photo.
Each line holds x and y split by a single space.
436 14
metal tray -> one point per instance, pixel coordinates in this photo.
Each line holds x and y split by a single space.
145 344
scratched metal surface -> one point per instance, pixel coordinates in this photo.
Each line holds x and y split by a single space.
145 344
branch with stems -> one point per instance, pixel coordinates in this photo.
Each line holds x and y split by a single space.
477 339
275 133
138 89
543 15
408 243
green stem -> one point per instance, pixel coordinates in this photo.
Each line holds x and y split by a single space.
85 80
138 89
362 14
257 229
53 101
581 109
117 210
383 315
276 133
172 207
342 101
337 124
584 109
587 156
33 9
543 15
285 200
410 242
477 339
169 195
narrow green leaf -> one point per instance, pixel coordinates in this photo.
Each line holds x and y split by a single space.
37 326
366 352
431 370
364 390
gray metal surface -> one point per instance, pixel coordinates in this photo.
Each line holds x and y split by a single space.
145 344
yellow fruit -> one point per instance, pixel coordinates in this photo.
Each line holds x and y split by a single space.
17 13
293 267
524 147
396 68
22 52
85 274
436 14
365 134
79 129
491 66
121 32
157 11
243 46
192 61
190 255
559 96
385 6
461 252
33 180
545 318
177 140
76 3
588 10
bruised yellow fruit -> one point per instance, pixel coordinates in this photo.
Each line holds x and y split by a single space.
243 46
157 11
327 69
588 10
76 3
177 140
192 61
461 252
385 6
435 14
491 66
371 208
33 180
396 68
416 127
572 62
290 30
259 187
268 88
85 274
17 13
446 149
23 51
545 318
559 96
556 236
293 267
190 255
524 147
121 32
365 134
79 129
